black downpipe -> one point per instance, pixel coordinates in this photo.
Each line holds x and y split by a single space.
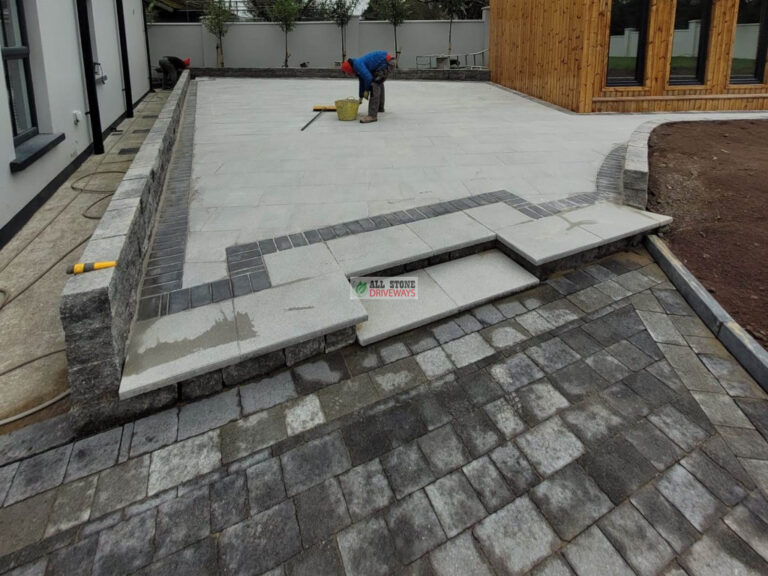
90 77
124 54
146 42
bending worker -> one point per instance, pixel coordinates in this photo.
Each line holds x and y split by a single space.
372 70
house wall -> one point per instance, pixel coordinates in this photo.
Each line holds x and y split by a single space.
318 44
558 51
538 48
59 90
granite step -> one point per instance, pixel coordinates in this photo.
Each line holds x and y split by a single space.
177 347
444 290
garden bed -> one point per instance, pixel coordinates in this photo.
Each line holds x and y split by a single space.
712 178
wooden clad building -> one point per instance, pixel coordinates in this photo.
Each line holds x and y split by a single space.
633 55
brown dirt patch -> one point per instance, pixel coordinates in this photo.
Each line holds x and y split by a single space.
712 178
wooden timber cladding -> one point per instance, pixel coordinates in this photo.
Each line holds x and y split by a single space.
557 50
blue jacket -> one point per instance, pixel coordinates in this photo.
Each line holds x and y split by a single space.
366 65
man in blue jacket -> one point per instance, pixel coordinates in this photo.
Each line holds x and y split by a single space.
372 70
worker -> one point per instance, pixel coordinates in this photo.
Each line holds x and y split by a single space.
372 71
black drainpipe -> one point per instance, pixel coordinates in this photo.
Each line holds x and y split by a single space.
126 63
146 42
90 76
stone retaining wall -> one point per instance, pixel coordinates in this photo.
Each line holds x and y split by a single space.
455 75
97 308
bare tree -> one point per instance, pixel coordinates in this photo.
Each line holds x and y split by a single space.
285 13
341 13
216 17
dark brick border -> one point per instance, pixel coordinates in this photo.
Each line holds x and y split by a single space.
460 75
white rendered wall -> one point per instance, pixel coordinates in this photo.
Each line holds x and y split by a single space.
59 88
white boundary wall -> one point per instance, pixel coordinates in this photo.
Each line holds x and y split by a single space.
59 89
262 44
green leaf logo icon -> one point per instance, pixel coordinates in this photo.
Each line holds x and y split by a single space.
361 288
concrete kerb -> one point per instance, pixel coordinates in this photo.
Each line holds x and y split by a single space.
97 308
736 340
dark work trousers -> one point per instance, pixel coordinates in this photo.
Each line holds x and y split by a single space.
376 102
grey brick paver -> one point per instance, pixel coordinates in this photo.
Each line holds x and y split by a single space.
592 421
407 469
591 553
571 501
516 537
272 537
515 372
74 560
267 392
540 400
655 446
550 446
488 483
534 323
72 505
314 462
505 418
722 552
577 381
716 480
559 312
209 413
459 556
184 461
515 468
607 366
467 350
677 427
38 474
722 410
265 485
637 541
366 489
443 450
154 432
393 351
624 400
414 527
690 497
629 355
434 363
182 521
121 485
126 546
477 432
229 501
468 323
488 314
321 559
480 388
505 335
749 528
455 503
6 477
552 355
552 566
321 511
93 454
665 518
366 548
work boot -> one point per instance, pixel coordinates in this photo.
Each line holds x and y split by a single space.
368 119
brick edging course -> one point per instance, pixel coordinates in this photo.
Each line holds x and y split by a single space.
730 333
97 308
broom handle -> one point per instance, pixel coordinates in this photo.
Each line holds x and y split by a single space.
310 122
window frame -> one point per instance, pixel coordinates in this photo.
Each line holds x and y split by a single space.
20 53
759 76
700 78
642 51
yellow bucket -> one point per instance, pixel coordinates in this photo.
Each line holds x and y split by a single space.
347 109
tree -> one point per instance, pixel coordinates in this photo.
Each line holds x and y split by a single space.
417 10
341 13
452 9
310 10
285 13
216 15
394 11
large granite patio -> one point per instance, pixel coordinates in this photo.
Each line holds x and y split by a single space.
590 426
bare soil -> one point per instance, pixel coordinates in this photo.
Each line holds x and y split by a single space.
712 178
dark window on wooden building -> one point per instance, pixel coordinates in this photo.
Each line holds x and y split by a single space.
750 43
629 39
691 42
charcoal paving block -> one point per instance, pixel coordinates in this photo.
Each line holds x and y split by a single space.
618 468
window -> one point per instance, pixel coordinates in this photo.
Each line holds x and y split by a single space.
751 43
691 42
15 52
629 34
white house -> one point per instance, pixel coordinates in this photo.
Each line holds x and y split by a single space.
68 66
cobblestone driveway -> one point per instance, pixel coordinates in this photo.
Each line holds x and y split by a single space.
592 425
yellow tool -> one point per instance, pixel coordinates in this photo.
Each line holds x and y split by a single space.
324 108
82 267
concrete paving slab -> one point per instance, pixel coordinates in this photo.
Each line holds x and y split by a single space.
368 252
480 278
547 239
614 222
497 216
273 319
451 232
300 263
172 348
